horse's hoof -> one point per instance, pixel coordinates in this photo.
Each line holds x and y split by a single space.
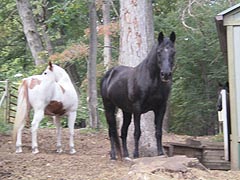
135 155
113 159
72 151
35 150
59 150
125 154
19 149
161 154
127 159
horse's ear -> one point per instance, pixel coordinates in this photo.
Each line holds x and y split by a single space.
173 37
50 65
160 37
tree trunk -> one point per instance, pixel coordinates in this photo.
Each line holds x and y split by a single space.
107 53
72 72
166 118
136 31
30 30
42 20
92 86
136 40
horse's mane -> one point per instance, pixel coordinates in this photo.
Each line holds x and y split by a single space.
61 73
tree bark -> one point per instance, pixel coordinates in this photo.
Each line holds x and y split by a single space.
107 53
136 31
42 20
136 40
30 30
92 86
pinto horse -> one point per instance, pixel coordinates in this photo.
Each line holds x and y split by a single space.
51 93
137 90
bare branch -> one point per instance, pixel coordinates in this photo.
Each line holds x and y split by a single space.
188 10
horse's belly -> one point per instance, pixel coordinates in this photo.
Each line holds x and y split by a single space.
122 103
55 108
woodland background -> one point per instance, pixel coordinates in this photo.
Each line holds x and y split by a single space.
63 26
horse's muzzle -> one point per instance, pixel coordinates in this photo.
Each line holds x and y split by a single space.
166 76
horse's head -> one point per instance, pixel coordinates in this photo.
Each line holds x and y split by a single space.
165 55
51 72
221 88
56 73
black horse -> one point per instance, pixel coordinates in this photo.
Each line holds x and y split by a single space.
137 90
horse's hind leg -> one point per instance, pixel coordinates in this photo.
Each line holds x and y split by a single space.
38 116
59 133
124 131
71 122
19 139
112 130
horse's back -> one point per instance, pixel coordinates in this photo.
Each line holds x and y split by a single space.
115 76
40 91
114 86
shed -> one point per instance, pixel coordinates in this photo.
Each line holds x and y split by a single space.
228 27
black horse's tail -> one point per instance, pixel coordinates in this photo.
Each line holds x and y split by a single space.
110 115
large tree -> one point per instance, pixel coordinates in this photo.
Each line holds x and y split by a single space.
136 40
30 31
92 83
107 54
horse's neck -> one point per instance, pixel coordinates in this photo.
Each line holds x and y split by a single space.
63 77
149 65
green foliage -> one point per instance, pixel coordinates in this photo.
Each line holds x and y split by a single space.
5 128
218 138
67 21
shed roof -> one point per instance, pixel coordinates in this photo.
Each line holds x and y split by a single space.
229 10
221 29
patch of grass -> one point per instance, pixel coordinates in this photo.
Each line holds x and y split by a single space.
218 138
5 128
90 130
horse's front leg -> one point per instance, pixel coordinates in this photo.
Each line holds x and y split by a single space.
38 116
57 123
71 122
137 134
124 131
159 115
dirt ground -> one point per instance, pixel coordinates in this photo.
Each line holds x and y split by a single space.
91 162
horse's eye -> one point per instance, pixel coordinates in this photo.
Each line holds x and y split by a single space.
45 73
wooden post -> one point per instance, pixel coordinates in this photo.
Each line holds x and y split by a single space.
7 102
225 124
233 69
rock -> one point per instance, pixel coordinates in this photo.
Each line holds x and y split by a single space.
151 168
